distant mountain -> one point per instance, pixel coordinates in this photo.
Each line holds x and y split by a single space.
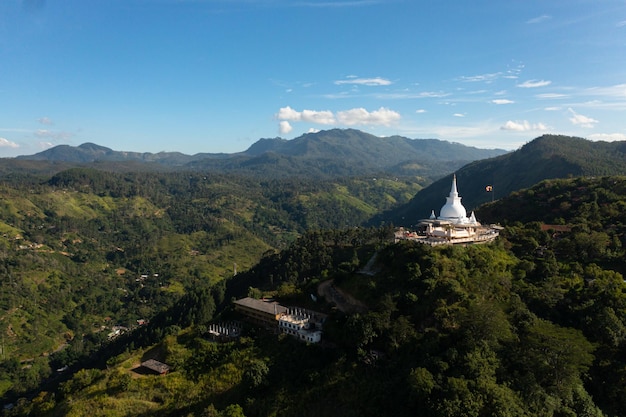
547 157
90 152
333 152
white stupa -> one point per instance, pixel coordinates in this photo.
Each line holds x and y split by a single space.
453 211
452 226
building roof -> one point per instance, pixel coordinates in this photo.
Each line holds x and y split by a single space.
156 366
260 305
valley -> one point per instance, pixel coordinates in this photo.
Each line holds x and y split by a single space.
105 264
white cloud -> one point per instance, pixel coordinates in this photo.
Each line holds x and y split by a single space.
312 130
400 95
287 113
45 121
581 120
420 111
45 145
523 126
364 81
458 115
608 137
554 108
539 19
5 143
324 117
621 24
356 116
482 77
432 94
618 91
284 127
360 116
551 95
502 101
45 133
534 83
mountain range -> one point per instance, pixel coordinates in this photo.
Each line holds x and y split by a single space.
348 152
336 152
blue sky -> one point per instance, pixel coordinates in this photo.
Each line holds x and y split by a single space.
217 75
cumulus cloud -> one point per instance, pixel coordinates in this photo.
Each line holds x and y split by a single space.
356 116
420 111
534 83
324 117
312 130
502 101
360 116
5 143
523 126
284 127
365 81
539 19
581 120
608 137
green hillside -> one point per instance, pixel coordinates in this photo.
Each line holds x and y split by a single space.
531 325
85 250
546 157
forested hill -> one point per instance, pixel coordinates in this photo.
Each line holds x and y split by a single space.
330 153
546 157
533 324
73 246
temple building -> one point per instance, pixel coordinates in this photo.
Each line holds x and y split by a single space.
303 324
452 226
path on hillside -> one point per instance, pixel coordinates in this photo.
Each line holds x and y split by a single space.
344 301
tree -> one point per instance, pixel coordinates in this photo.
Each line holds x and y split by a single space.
255 374
558 356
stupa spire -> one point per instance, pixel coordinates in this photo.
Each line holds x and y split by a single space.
453 191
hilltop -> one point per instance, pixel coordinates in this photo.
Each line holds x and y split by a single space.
546 157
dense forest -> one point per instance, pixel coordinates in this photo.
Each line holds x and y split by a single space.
533 324
86 253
